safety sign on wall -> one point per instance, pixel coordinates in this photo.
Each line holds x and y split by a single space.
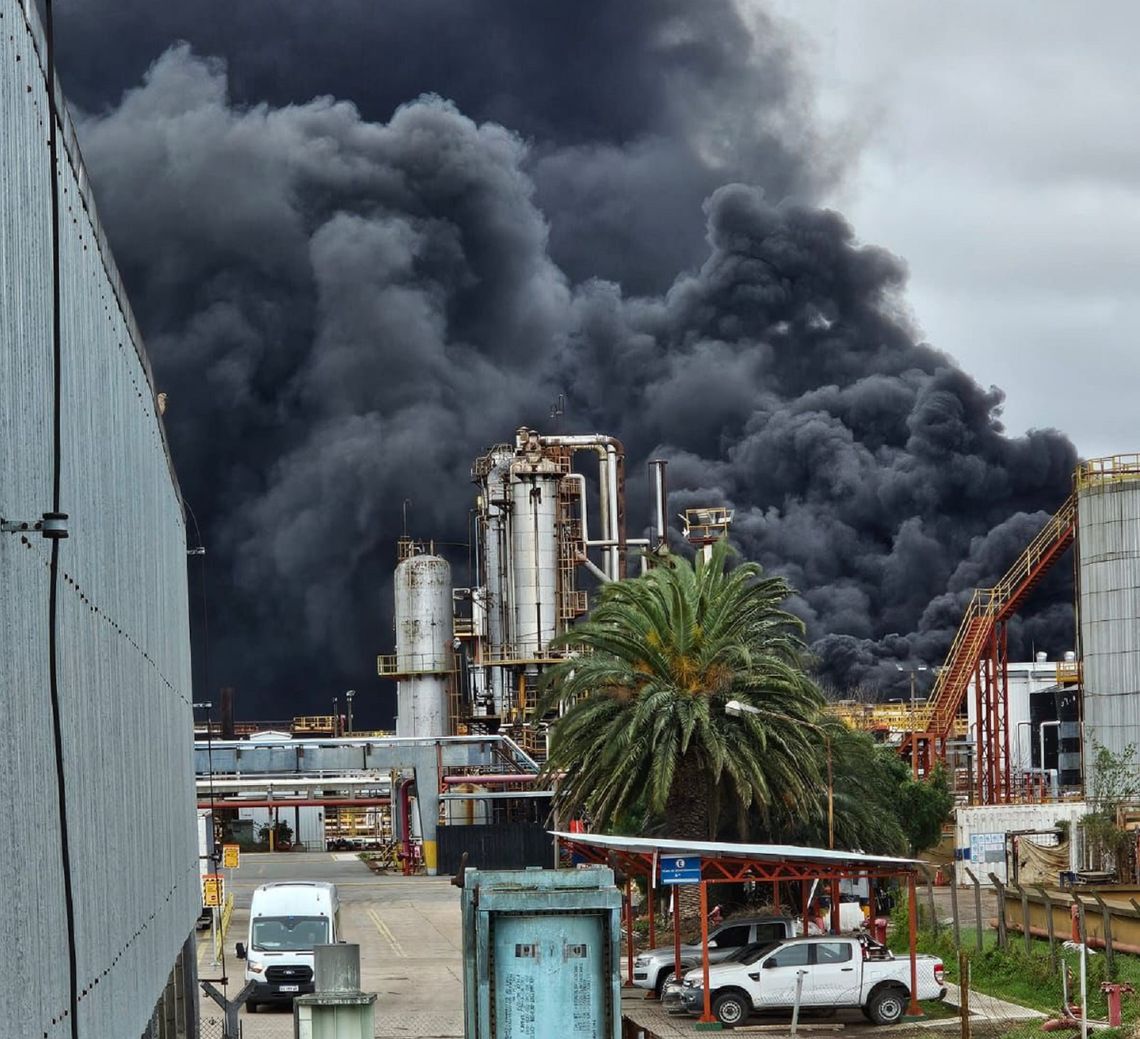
231 856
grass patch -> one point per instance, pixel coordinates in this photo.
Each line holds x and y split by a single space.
1017 976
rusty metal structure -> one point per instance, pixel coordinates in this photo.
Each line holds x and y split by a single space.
1101 518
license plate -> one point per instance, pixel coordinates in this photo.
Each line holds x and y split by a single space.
289 988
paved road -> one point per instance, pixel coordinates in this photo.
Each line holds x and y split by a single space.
408 929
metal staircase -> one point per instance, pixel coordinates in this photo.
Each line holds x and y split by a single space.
979 652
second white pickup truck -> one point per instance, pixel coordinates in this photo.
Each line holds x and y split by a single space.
836 972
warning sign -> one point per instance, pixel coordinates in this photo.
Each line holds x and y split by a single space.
213 892
231 856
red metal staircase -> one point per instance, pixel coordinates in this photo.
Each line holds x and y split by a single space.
979 652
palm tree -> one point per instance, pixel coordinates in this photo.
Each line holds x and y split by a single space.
644 735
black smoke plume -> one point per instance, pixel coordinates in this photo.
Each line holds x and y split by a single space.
347 300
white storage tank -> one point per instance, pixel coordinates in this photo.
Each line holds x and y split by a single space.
424 632
1108 503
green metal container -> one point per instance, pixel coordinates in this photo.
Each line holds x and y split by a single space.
541 954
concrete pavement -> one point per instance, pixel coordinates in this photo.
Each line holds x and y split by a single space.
408 930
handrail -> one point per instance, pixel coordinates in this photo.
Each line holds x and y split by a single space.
1108 470
987 607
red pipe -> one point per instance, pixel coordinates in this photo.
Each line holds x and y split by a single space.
490 780
308 802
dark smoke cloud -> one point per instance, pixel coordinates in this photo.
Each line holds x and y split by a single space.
346 303
636 111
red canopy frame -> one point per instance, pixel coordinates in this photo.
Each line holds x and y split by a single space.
719 865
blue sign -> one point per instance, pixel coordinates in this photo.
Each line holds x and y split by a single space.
680 869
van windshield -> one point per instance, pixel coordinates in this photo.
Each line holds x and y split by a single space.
289 933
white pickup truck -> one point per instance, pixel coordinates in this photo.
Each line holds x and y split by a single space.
652 968
836 971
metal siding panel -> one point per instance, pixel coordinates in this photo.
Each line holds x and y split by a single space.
124 665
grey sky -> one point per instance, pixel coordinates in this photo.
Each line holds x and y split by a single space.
994 147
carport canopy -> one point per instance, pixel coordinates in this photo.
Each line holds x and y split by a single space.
727 862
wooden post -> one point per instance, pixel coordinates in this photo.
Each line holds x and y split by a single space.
706 1016
1049 924
1028 938
835 922
977 906
1003 936
964 993
1106 923
954 905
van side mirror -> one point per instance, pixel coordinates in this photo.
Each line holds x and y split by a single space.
239 951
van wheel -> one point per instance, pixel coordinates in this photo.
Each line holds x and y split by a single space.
730 1009
887 1006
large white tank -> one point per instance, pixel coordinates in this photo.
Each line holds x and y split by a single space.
1108 503
423 646
534 545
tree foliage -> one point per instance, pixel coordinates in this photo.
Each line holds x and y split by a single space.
644 728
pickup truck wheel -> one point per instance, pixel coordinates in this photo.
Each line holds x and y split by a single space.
250 1006
887 1006
663 979
731 1008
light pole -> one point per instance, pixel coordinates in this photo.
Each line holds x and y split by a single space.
336 716
913 672
348 696
736 709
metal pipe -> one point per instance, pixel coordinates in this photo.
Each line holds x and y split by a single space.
657 465
615 529
298 802
590 565
489 780
1020 759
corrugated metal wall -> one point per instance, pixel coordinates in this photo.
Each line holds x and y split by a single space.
124 658
1109 515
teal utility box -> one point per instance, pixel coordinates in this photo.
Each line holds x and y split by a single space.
541 954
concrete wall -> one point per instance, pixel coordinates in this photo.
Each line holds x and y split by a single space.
122 655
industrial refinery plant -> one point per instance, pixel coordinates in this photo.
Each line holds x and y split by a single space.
469 660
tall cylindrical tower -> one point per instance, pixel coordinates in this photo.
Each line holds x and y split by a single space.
423 646
534 549
1108 503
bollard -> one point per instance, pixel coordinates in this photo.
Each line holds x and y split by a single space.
1114 991
337 1007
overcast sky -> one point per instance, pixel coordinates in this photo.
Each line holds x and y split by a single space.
995 148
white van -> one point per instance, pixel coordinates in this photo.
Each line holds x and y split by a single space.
286 920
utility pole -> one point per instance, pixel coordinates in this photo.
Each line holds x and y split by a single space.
348 696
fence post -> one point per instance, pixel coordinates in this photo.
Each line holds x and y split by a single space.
1082 933
1106 922
1025 919
954 904
977 906
930 898
964 993
1049 925
999 887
